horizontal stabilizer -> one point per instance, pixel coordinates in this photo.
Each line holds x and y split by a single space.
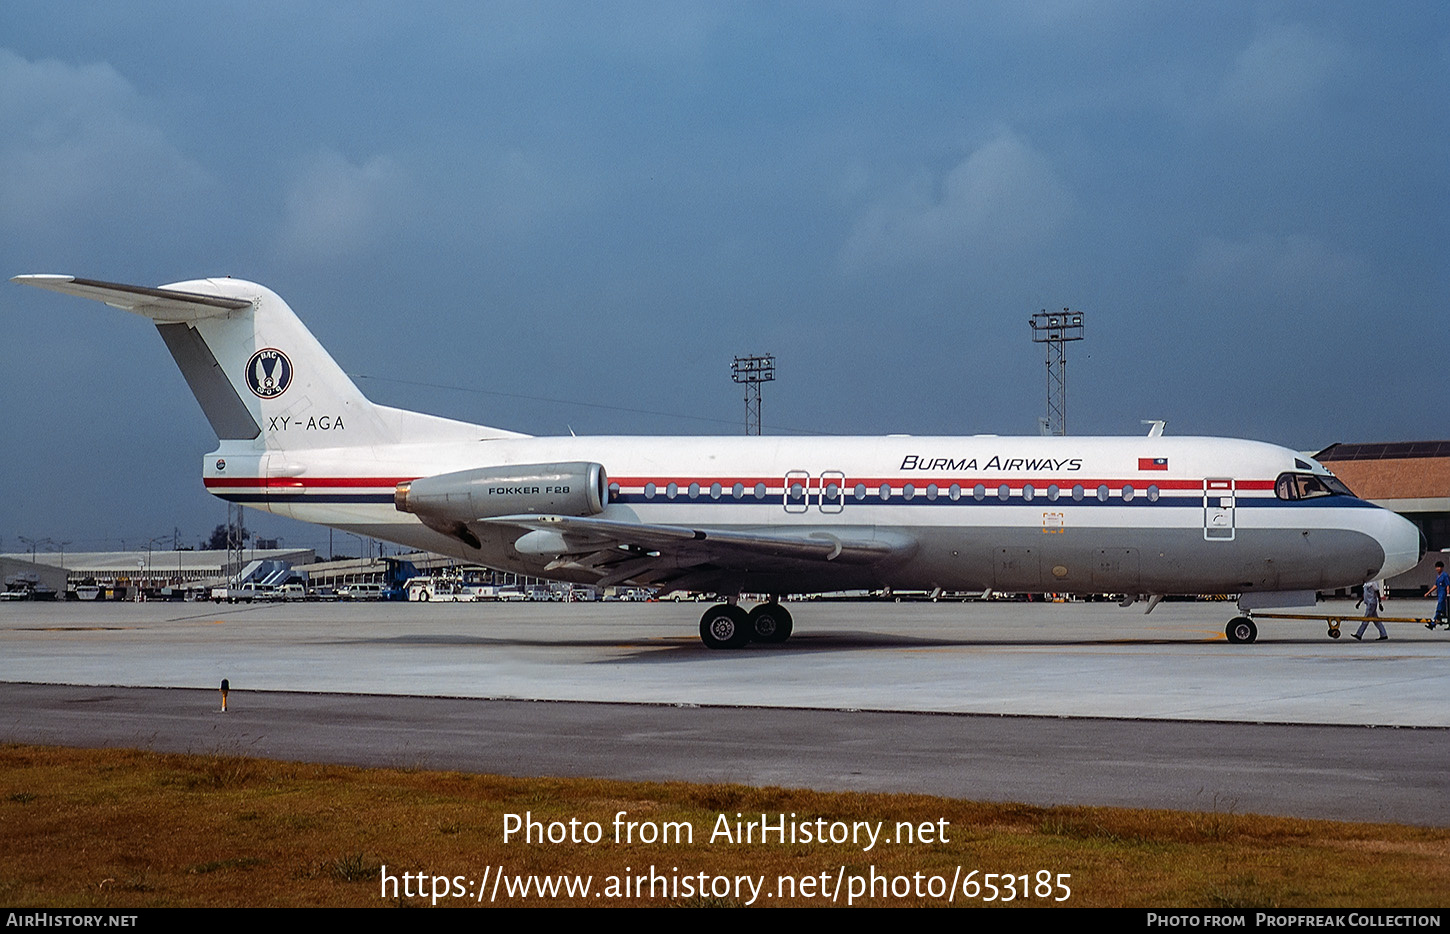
251 363
165 306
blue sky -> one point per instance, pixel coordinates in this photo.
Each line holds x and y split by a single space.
603 203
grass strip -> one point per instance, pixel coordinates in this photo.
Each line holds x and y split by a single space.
112 829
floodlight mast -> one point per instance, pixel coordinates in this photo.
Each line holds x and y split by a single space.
236 538
1055 330
752 371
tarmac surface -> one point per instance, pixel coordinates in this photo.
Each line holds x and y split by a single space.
1042 703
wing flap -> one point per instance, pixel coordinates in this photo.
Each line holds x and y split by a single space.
684 547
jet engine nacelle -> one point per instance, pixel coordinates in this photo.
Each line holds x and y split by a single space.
570 489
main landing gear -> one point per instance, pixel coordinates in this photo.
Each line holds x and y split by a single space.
726 626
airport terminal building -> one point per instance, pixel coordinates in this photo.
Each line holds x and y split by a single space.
118 574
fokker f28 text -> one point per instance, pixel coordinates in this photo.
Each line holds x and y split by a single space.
1143 515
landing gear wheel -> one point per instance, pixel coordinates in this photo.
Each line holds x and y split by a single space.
770 622
1241 630
725 627
1334 633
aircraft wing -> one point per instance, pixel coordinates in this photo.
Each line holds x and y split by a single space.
679 557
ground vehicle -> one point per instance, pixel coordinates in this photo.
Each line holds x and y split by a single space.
427 589
245 593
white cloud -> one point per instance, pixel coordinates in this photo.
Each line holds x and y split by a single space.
79 146
1281 70
335 208
1004 197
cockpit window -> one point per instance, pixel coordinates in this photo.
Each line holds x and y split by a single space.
1309 486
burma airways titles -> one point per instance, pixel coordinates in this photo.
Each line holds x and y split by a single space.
917 462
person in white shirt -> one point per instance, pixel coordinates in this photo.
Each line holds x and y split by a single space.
1374 592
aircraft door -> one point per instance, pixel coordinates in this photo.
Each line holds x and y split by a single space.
797 493
1218 509
833 491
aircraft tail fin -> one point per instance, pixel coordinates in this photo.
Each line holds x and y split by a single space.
257 371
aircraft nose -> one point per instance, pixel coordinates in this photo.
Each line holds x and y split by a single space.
1402 542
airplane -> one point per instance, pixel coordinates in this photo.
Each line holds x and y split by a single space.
1139 516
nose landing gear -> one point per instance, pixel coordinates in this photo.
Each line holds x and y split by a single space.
1241 630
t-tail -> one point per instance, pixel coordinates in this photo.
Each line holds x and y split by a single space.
262 379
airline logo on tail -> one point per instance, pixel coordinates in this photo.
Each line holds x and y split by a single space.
269 373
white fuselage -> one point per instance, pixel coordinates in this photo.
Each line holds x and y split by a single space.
1087 515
